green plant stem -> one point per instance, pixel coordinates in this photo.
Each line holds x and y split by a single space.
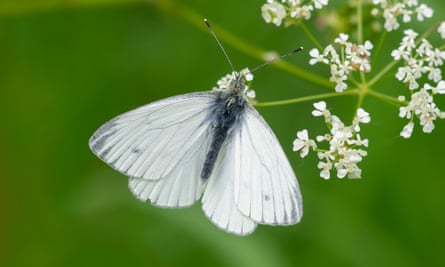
362 77
386 98
379 75
428 32
310 36
360 21
306 98
361 96
379 47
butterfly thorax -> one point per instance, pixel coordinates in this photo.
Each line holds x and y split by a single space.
227 110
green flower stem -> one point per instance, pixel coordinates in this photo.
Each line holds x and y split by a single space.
386 98
384 71
306 98
354 81
379 46
360 22
310 36
362 77
428 32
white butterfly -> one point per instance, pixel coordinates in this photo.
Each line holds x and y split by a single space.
210 143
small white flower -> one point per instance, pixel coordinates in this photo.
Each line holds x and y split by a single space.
325 169
330 51
364 50
399 53
340 85
321 138
411 3
361 117
406 15
427 121
435 56
341 170
404 112
321 110
423 11
440 88
359 141
409 40
301 12
424 48
342 39
302 143
434 74
355 173
320 3
317 57
273 12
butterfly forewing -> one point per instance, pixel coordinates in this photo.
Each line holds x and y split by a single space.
152 141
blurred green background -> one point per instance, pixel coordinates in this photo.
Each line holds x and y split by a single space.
66 67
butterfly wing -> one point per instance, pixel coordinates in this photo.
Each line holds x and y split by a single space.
218 201
181 187
161 145
265 187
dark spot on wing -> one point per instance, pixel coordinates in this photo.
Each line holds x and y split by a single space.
136 150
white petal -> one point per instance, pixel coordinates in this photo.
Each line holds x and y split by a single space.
407 130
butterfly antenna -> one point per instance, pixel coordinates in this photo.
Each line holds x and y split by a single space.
219 43
277 58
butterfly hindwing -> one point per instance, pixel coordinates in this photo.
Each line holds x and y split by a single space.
181 187
265 186
218 201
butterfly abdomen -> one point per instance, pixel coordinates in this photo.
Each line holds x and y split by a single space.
226 113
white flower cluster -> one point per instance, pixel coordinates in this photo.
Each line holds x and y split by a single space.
353 58
422 106
225 83
345 144
419 60
276 11
405 9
